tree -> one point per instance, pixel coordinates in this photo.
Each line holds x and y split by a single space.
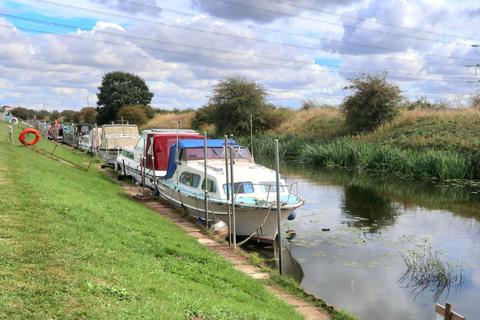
43 115
86 115
203 116
119 89
23 113
373 102
68 115
54 115
234 100
133 114
475 101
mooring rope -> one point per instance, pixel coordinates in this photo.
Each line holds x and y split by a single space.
258 228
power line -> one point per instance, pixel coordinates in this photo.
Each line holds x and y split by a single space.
377 22
331 22
75 27
399 75
190 14
244 37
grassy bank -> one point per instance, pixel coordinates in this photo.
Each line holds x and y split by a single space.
418 144
72 245
169 120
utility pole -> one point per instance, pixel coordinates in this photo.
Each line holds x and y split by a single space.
476 66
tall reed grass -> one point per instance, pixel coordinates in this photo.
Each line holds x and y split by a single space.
351 154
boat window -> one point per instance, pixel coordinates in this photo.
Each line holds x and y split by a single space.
240 153
190 179
211 185
140 143
272 187
239 187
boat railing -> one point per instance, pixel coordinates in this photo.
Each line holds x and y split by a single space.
268 186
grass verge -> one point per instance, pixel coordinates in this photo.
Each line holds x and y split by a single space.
72 246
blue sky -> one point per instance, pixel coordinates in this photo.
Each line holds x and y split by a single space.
296 50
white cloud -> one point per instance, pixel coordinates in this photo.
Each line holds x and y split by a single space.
181 64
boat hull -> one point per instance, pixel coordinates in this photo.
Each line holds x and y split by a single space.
261 222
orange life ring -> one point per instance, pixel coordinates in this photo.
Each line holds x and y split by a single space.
24 133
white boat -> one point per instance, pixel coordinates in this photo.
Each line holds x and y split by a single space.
254 187
114 139
91 142
76 134
149 157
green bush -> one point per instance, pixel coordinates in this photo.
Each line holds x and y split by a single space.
374 102
133 114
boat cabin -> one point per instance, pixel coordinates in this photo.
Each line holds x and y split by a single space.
158 143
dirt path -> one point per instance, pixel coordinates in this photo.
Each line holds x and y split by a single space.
239 261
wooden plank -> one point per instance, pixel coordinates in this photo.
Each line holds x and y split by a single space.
439 309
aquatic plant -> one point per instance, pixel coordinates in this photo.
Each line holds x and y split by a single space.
361 156
428 270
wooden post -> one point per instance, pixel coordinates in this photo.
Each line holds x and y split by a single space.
447 313
10 133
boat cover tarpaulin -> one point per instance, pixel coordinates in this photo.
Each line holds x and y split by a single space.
191 143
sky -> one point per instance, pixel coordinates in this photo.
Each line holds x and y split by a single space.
54 53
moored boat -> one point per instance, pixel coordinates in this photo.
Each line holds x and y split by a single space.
114 138
254 187
149 157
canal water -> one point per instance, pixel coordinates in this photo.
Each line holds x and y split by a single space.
371 227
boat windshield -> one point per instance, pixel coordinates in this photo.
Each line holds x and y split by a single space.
239 153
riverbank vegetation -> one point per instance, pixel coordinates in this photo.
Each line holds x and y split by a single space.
72 246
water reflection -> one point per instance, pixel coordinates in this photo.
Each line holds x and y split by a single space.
365 209
357 264
428 271
291 267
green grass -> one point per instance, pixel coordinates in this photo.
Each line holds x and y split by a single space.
291 286
361 156
73 246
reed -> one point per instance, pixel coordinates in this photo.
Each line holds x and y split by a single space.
361 156
429 271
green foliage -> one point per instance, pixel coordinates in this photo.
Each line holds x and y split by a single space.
68 115
78 248
347 153
234 101
423 104
133 114
55 115
203 116
43 115
374 102
119 89
86 115
309 104
23 113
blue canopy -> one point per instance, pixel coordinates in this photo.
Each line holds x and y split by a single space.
193 143
199 143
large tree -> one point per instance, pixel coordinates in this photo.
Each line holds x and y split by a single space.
373 102
234 100
119 89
